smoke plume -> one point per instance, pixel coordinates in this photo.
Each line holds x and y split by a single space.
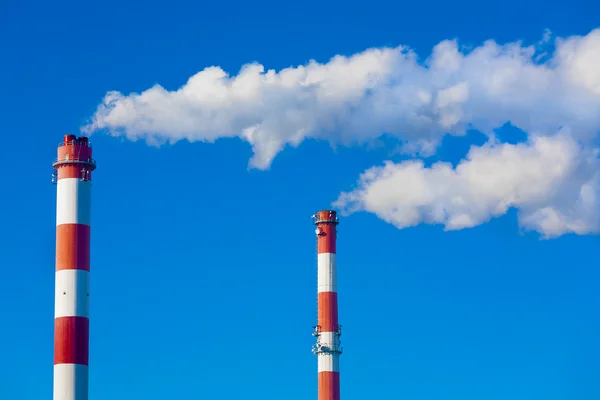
551 90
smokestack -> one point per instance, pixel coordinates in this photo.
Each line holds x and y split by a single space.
72 175
327 332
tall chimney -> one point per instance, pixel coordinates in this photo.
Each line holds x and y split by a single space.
72 175
327 332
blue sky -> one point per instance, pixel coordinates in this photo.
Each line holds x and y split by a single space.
204 270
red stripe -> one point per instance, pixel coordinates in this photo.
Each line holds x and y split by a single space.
72 247
329 386
326 215
326 240
75 152
328 311
71 340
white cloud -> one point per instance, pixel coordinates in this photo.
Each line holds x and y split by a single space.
554 182
357 98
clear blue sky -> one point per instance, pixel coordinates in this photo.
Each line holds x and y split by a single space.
204 271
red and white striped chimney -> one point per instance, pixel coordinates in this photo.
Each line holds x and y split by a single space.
327 332
73 174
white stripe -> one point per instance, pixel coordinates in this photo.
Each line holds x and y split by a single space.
329 363
71 297
71 382
326 338
327 273
330 340
73 201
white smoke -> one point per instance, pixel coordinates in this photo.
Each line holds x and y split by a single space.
388 91
553 182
